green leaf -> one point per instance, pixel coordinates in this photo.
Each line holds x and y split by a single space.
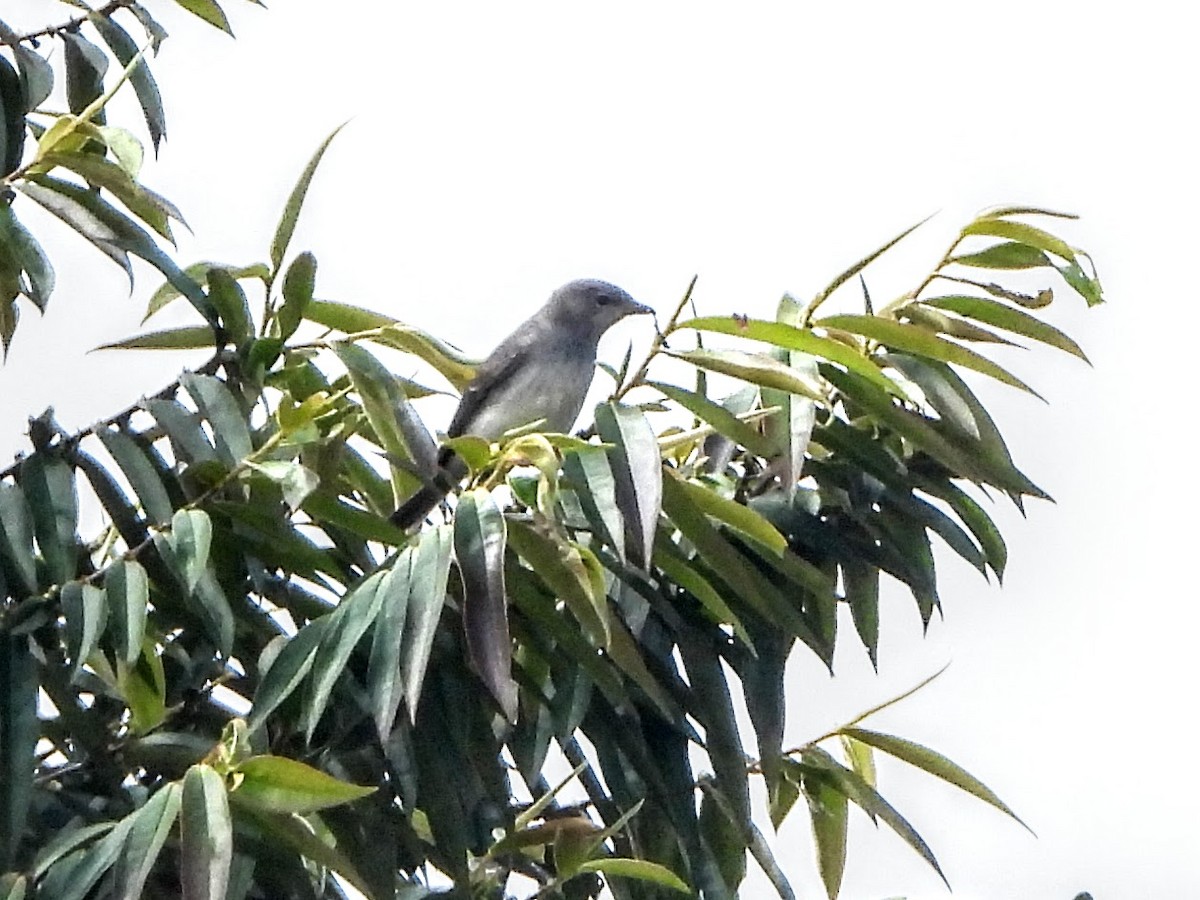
734 569
281 785
49 487
291 210
13 886
199 272
449 363
735 515
26 256
17 562
230 300
932 762
85 66
188 440
186 337
219 407
85 612
148 833
790 337
725 422
143 687
973 516
1002 315
297 481
20 728
479 540
861 583
853 787
638 870
298 284
385 684
287 671
49 194
828 809
427 596
190 538
1030 235
637 472
560 566
37 75
145 480
209 11
863 263
1007 255
753 368
917 340
205 835
669 558
591 475
125 49
347 624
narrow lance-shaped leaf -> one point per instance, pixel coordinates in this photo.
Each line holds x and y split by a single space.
914 339
754 368
49 487
85 65
191 539
479 541
142 476
291 210
82 220
128 593
863 263
150 828
1001 315
19 727
287 671
385 684
298 284
828 809
186 337
219 407
932 762
37 75
205 835
27 256
125 49
281 785
725 422
209 11
17 560
348 623
86 612
637 470
590 472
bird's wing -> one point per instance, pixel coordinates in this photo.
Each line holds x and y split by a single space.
494 371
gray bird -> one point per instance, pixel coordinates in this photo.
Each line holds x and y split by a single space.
542 371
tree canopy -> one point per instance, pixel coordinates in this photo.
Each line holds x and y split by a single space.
245 682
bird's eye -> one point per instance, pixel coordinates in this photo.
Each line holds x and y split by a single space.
603 299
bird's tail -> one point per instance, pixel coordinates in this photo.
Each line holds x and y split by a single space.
421 504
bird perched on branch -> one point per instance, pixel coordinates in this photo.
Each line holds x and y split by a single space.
539 373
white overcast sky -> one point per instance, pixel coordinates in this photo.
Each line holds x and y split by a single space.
496 150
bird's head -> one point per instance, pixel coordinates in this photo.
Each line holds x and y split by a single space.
593 306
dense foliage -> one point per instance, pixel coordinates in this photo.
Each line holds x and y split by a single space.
247 681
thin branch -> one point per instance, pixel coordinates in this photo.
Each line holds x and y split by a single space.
11 39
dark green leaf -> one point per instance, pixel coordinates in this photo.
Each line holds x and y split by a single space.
291 210
49 487
219 407
637 471
298 284
591 474
19 727
188 440
191 538
479 540
86 65
128 593
205 835
17 562
861 582
560 567
143 477
85 223
99 172
736 515
229 299
385 684
287 671
85 612
973 516
148 832
125 49
347 624
37 75
669 558
198 273
27 256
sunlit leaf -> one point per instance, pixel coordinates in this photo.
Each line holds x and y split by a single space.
281 785
205 835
